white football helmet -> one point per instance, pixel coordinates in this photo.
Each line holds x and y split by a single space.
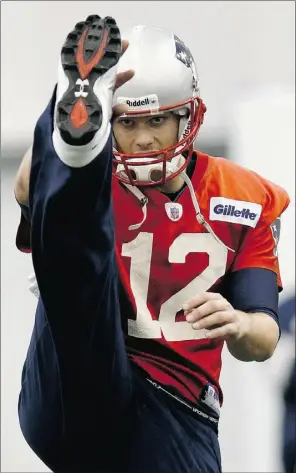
165 80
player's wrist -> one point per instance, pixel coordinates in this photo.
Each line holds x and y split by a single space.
256 337
240 336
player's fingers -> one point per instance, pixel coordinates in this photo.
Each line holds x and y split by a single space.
118 110
223 332
123 77
124 45
199 299
208 308
213 321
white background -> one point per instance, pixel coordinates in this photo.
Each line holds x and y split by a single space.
244 51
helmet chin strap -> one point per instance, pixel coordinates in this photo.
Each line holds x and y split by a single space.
143 173
199 217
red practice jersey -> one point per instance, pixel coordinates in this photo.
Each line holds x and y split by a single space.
172 258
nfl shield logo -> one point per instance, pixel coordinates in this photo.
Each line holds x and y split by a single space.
174 211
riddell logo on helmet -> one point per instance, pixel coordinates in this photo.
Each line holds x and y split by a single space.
235 211
187 130
148 101
137 103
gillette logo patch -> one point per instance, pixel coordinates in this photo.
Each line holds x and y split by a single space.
235 211
148 101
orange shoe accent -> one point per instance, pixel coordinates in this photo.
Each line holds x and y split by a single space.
85 68
79 114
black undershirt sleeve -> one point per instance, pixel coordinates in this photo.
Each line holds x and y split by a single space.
253 290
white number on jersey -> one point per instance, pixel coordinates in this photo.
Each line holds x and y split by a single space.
140 252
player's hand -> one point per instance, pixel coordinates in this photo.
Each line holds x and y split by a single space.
210 311
122 78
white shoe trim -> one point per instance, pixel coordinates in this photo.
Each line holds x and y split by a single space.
80 156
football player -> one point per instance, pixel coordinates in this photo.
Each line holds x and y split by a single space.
148 254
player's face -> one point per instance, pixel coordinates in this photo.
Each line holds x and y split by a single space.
137 135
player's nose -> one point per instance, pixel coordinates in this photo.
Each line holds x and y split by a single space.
144 141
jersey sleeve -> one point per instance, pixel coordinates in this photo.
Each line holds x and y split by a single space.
259 247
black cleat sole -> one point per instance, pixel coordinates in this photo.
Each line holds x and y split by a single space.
90 50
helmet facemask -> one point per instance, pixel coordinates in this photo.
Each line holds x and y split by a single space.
140 169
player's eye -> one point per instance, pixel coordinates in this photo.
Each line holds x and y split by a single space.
156 121
126 122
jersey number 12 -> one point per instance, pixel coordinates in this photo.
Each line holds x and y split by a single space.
140 252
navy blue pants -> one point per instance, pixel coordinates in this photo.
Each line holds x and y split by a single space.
83 406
